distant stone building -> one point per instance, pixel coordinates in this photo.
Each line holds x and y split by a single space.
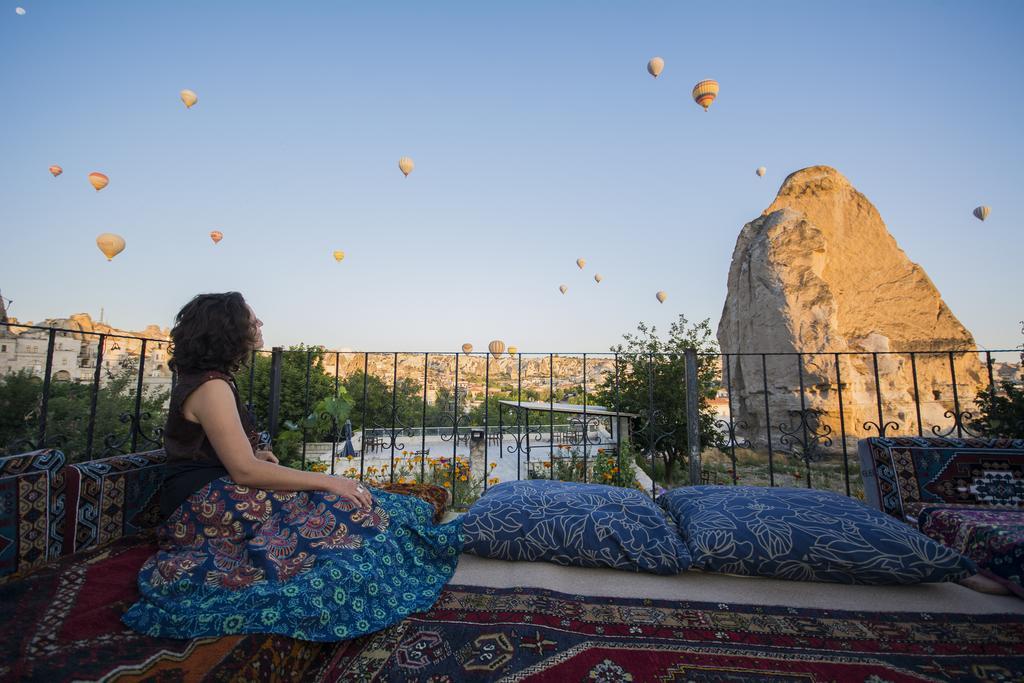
77 349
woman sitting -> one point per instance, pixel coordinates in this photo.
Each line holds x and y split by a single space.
250 546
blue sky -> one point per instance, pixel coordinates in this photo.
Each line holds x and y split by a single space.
538 138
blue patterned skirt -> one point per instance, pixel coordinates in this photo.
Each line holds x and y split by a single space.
306 564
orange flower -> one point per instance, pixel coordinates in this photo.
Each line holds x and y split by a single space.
447 485
547 464
463 478
493 465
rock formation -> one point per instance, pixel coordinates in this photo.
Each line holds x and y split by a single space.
819 273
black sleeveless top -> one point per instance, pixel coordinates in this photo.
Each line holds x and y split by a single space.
192 462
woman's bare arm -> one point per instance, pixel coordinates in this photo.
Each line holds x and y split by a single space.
213 406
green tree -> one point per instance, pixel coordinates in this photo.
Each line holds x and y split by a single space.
376 410
1001 415
649 364
294 405
68 413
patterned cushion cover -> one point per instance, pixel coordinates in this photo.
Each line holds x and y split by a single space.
805 535
589 525
116 497
901 473
993 538
32 499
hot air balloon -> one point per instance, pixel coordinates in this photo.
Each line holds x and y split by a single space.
216 236
56 170
655 66
188 97
598 277
467 348
20 11
339 255
110 244
513 350
661 296
581 263
563 289
406 165
761 170
982 212
496 347
98 180
705 92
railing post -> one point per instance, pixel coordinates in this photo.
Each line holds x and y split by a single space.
692 415
44 408
274 401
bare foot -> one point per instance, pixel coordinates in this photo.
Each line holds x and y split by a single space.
983 584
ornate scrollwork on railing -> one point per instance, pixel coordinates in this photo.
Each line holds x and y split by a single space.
122 445
655 428
730 427
807 438
579 433
959 426
522 434
886 426
27 444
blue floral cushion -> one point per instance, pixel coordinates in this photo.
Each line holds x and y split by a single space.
805 535
588 525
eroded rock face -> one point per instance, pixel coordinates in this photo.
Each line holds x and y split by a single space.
819 273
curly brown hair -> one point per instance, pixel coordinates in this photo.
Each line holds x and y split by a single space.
212 332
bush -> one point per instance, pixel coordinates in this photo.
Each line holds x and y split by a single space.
1001 415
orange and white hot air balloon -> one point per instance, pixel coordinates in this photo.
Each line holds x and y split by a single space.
761 170
405 165
598 277
467 348
496 347
661 296
655 66
110 244
582 263
563 289
705 92
98 180
56 170
216 236
189 98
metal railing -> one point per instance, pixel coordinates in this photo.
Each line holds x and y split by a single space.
768 418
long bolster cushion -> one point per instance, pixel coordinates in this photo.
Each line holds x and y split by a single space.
805 535
586 525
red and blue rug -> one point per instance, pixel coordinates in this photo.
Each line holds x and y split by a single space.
485 634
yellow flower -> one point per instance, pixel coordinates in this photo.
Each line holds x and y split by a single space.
447 485
405 452
493 465
401 480
463 478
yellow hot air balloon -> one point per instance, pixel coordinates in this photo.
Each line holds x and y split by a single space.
189 98
705 92
982 212
655 66
56 170
598 277
98 180
406 165
563 289
467 348
513 350
216 236
110 244
581 263
761 170
339 255
496 347
661 296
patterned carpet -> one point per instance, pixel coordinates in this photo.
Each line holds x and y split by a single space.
484 634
